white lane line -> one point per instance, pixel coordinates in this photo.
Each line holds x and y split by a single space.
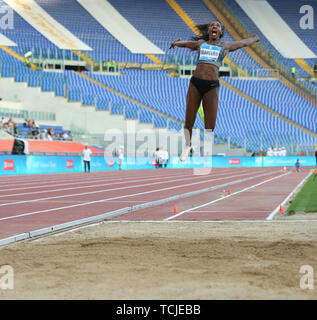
231 211
121 188
101 176
47 180
74 181
81 187
119 197
275 211
220 199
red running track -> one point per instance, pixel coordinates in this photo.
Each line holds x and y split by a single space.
29 203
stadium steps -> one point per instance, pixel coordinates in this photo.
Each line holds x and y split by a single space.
16 55
266 108
256 52
190 23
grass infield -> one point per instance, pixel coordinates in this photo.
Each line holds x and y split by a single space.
306 199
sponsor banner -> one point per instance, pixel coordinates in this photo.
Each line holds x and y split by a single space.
69 164
41 21
234 161
110 163
8 165
38 164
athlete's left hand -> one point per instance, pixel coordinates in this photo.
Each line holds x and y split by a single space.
174 43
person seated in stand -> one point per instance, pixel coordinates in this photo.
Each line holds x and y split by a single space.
43 134
51 134
35 132
2 122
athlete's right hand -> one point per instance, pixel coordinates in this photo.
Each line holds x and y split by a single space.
174 43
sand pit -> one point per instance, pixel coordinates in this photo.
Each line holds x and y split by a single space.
166 260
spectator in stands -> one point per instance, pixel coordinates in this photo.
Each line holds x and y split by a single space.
293 72
2 122
10 127
6 128
204 83
86 154
298 166
60 136
29 123
43 134
15 129
66 136
51 134
35 132
112 66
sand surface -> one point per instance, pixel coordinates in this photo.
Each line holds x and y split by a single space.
167 260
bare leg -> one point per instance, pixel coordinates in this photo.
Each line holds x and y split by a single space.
193 100
210 106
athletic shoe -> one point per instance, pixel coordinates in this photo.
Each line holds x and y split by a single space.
185 153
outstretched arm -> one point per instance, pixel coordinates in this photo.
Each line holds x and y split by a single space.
193 45
232 46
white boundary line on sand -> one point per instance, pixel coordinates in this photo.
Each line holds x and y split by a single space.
219 199
275 211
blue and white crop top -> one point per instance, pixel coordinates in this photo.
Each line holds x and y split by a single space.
211 54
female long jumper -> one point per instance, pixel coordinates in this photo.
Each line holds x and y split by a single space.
204 83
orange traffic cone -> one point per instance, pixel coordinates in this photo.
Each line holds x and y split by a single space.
281 209
175 209
229 191
284 169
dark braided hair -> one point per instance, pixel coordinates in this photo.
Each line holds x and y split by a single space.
203 30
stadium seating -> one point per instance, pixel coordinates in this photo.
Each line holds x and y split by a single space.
281 99
245 123
251 28
238 118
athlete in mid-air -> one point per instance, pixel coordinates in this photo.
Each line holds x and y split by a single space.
204 83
